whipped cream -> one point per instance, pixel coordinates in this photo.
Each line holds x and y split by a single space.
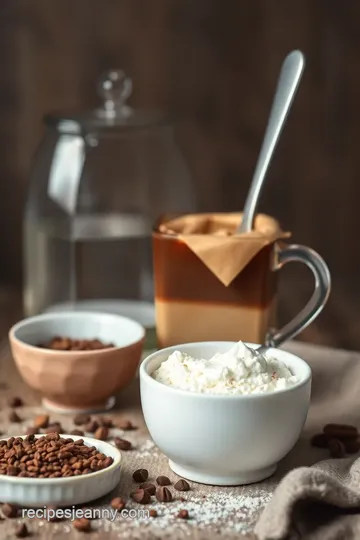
239 371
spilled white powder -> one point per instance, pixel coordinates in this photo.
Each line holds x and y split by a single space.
220 512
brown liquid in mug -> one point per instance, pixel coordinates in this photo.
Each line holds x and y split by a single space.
193 305
180 275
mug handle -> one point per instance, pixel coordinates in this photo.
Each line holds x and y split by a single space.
305 255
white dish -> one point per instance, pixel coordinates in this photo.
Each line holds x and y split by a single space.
73 490
224 439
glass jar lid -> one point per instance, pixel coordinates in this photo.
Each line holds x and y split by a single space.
114 89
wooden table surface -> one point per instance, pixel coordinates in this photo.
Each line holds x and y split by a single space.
334 394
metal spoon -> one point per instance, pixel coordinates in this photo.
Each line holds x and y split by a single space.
288 83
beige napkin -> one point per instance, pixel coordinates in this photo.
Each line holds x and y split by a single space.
315 503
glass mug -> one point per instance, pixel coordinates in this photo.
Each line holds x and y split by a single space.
192 304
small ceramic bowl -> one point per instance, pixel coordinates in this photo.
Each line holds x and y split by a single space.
223 439
73 381
36 492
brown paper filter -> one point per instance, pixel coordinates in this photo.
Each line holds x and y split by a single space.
212 238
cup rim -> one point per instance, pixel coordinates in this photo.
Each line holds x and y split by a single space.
74 314
156 385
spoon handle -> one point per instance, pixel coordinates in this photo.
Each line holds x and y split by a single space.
288 83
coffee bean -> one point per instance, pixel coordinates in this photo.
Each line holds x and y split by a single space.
56 427
126 425
91 427
337 449
14 418
82 419
15 402
182 485
320 440
163 494
12 470
22 531
141 496
77 432
41 421
106 422
148 487
340 431
163 481
117 504
183 514
122 444
56 517
82 524
31 430
10 510
153 513
140 475
102 433
352 446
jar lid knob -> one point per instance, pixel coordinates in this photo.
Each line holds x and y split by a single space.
114 88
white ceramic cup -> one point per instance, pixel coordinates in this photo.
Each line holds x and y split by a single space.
224 439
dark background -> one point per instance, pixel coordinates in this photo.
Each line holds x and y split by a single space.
215 64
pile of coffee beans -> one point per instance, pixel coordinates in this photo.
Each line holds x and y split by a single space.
49 456
146 490
339 439
59 343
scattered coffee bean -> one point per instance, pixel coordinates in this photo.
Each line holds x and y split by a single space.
182 485
140 475
105 421
15 402
153 513
102 433
148 487
49 456
126 425
77 432
56 427
122 444
10 510
68 344
91 426
82 419
41 421
14 418
320 440
182 499
31 430
82 524
163 494
183 514
22 531
141 496
163 481
352 446
117 504
56 517
337 449
340 431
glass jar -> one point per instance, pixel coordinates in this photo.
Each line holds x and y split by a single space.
99 181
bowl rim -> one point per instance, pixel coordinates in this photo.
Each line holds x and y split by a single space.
146 377
115 464
77 314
